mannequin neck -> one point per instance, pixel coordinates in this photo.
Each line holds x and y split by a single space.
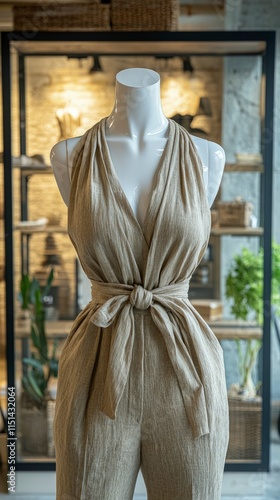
137 111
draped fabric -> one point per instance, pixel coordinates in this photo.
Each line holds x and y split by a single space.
133 268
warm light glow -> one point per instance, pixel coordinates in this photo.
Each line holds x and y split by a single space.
69 120
181 94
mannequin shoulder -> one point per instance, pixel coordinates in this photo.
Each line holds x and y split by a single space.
61 153
210 152
213 162
61 157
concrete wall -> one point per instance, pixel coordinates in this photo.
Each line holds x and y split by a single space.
241 115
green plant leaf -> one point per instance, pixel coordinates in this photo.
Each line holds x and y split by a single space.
33 362
38 301
49 282
28 388
53 364
34 336
33 288
34 385
24 295
244 283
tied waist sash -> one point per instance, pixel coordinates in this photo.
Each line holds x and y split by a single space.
114 304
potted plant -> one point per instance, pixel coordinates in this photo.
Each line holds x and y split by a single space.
38 369
244 287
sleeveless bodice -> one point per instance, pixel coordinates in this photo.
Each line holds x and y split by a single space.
134 269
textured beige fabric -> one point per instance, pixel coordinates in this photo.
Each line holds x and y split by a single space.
140 278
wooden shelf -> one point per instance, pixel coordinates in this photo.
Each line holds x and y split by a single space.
45 229
232 329
34 170
195 284
129 46
242 461
244 167
35 458
237 231
57 329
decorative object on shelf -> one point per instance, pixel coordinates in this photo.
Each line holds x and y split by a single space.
54 219
244 286
35 161
147 15
209 309
235 213
39 369
69 120
57 301
204 109
249 158
204 274
32 224
54 16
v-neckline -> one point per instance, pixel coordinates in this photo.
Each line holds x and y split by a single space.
152 205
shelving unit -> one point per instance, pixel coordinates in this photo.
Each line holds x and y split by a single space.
219 231
46 229
142 43
237 231
244 167
232 329
27 171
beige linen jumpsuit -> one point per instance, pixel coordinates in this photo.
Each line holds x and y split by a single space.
141 379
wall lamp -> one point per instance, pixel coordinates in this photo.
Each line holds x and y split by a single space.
96 67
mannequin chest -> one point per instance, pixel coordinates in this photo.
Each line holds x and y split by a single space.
135 167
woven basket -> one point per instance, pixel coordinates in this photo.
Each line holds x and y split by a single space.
245 422
36 427
132 15
61 17
50 418
235 213
34 431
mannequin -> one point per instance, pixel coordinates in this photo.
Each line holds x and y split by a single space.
136 133
148 386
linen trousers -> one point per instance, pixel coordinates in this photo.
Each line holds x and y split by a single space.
151 432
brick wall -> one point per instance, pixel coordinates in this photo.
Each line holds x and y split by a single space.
54 83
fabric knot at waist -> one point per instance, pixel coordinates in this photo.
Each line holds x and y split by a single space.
113 296
140 297
113 303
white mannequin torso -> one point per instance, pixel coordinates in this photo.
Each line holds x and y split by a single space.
136 133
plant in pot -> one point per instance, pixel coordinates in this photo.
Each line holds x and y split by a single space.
38 368
244 287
